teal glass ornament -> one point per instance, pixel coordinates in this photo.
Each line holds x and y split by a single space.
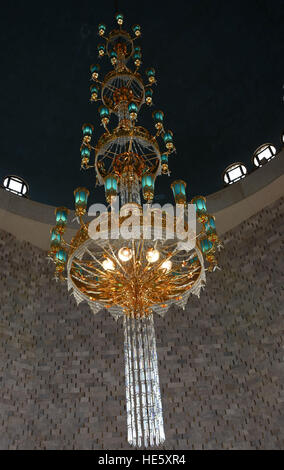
210 224
178 188
168 137
61 256
136 29
87 130
101 49
150 72
101 29
95 68
164 159
158 116
119 18
132 107
85 152
81 196
104 111
61 215
148 183
205 245
148 93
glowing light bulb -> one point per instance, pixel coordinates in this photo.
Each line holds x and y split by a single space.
108 265
152 255
125 254
166 265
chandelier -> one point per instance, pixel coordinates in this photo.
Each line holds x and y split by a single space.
133 276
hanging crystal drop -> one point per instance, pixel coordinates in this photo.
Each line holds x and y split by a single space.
144 403
143 396
156 383
129 189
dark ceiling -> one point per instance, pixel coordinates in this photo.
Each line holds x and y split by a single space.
219 66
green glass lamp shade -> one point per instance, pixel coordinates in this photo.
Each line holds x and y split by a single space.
102 27
150 72
137 55
205 245
132 107
148 93
111 187
200 204
178 187
119 17
88 130
168 137
136 28
104 111
95 68
61 214
148 181
81 196
164 159
158 116
55 238
61 256
85 152
101 47
94 89
210 224
111 183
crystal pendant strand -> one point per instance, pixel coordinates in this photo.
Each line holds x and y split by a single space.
156 382
123 115
129 189
143 397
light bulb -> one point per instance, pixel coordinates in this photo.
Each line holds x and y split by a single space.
108 265
152 255
125 254
166 265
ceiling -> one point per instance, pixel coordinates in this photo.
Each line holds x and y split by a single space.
219 67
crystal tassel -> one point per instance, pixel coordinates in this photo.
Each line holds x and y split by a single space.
143 397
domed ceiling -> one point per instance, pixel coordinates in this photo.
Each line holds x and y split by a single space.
219 67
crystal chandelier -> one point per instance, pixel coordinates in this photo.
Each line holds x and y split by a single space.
136 276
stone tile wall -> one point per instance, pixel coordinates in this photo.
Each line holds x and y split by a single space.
221 360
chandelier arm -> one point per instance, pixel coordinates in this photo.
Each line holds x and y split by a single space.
64 242
129 82
79 279
93 256
105 85
97 270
